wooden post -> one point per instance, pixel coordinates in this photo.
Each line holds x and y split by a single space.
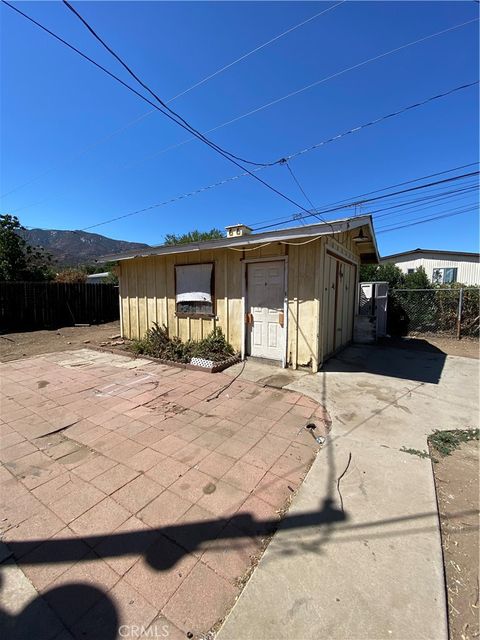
459 316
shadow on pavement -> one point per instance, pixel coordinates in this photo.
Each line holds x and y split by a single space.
69 602
408 359
163 547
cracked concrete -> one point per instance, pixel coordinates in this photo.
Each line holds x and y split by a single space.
377 572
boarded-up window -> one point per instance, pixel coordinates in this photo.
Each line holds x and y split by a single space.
194 289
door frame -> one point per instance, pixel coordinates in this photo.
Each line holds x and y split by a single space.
245 262
329 251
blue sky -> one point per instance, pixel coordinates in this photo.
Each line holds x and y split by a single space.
57 108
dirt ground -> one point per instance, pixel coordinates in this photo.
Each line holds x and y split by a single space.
14 346
30 343
466 347
456 480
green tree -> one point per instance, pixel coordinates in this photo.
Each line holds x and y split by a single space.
193 236
18 260
417 280
387 272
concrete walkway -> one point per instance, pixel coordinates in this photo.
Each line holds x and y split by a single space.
374 570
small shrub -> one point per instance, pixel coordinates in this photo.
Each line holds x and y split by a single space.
415 452
158 344
138 347
214 347
447 441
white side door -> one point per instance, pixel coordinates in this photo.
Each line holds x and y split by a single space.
381 302
265 298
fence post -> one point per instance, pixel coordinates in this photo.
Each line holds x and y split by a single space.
459 317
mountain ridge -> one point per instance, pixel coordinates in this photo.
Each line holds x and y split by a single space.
76 248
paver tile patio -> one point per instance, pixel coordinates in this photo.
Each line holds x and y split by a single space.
153 498
137 493
193 607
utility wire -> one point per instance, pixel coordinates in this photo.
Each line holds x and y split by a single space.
329 208
232 179
112 75
370 200
142 116
412 224
176 116
307 87
392 186
170 201
294 178
382 118
291 156
249 53
298 183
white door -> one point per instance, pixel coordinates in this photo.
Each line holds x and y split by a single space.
381 301
265 297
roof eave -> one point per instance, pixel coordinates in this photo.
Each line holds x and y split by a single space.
291 233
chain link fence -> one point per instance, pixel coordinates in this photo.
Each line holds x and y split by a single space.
449 312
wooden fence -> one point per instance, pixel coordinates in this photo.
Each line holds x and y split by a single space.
45 305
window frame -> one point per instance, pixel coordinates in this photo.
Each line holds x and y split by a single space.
194 315
443 271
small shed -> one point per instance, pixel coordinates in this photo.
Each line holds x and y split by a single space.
288 295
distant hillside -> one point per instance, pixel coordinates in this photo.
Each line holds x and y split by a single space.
73 248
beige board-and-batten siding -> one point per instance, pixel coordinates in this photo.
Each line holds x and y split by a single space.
147 295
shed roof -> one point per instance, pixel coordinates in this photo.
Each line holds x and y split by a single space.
368 249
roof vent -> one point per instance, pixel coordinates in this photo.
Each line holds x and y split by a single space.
236 230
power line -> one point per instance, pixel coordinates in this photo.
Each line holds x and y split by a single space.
249 53
234 178
414 209
392 186
423 221
170 201
307 87
382 118
431 201
175 116
294 177
112 75
130 123
370 200
301 152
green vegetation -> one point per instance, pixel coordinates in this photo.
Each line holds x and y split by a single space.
417 305
193 236
382 273
447 441
158 344
394 276
18 260
416 452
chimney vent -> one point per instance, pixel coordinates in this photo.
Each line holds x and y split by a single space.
236 230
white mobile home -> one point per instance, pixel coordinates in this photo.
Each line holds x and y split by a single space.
441 267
